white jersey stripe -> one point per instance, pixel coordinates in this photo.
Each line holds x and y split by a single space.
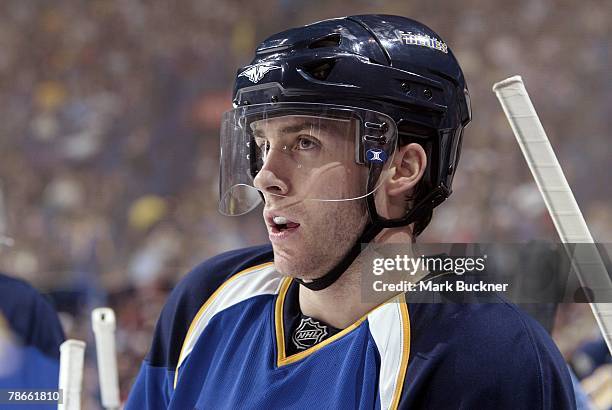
390 329
263 280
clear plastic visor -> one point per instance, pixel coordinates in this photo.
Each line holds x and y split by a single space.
303 152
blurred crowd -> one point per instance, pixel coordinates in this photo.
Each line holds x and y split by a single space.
109 139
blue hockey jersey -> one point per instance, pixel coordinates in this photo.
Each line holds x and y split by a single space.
30 336
223 341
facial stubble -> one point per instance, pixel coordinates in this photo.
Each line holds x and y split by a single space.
329 231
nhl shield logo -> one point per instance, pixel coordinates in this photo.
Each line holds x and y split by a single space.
308 333
257 72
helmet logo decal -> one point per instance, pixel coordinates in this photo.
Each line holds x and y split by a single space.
257 72
376 155
410 38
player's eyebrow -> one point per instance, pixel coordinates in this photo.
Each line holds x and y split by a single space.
295 128
301 126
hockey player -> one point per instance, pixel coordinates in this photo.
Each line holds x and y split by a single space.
350 131
30 337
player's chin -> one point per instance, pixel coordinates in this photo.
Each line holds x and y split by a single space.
294 264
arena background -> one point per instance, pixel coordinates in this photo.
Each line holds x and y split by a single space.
109 140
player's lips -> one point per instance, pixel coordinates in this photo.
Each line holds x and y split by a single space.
280 226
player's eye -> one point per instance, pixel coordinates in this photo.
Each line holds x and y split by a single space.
306 143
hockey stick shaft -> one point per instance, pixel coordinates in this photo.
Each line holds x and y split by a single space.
71 374
558 196
103 322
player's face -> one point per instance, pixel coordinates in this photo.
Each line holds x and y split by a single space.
306 160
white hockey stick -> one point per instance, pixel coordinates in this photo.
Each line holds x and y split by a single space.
558 197
103 322
71 374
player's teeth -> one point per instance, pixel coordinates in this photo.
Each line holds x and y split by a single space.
280 220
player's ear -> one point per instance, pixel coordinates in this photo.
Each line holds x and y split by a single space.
408 168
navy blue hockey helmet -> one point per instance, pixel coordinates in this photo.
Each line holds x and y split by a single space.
386 80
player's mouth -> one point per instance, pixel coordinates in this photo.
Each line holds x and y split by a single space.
280 227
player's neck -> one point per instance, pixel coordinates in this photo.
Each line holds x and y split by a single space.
342 304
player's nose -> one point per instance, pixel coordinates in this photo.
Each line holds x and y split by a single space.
273 176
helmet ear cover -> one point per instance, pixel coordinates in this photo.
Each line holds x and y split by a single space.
425 196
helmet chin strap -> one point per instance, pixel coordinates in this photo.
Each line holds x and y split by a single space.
375 225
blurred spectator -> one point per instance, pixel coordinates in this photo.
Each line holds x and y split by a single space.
589 356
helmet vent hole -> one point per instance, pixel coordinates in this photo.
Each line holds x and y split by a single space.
320 70
331 40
